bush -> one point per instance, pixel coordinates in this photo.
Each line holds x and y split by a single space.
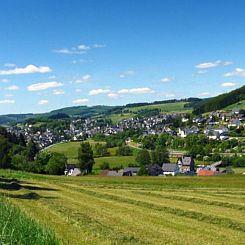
56 164
104 166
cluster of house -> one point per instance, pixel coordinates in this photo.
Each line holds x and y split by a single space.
161 123
185 165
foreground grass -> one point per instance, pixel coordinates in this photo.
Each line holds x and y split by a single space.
17 228
134 210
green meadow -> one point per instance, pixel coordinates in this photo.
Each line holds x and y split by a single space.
133 210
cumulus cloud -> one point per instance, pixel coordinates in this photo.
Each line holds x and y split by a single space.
8 95
26 70
204 94
127 73
58 92
238 72
7 101
4 80
80 49
216 63
83 47
84 79
43 86
9 65
166 79
99 45
12 88
80 101
113 95
135 91
42 102
99 91
228 84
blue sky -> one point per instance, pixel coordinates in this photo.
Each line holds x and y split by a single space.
63 53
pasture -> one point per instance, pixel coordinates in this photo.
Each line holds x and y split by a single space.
135 210
70 149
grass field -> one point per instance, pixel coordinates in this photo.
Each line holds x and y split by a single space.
168 107
17 228
135 210
70 149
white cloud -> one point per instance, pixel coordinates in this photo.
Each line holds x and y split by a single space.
202 71
8 95
166 79
78 90
208 65
80 101
83 47
69 51
7 101
113 95
98 45
127 73
9 65
84 79
228 84
12 88
43 86
58 92
43 102
52 77
136 91
205 94
26 70
238 72
4 80
99 91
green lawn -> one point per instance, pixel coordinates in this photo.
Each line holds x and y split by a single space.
134 210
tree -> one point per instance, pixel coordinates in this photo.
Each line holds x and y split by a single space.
101 150
85 158
143 157
4 152
124 151
56 164
159 156
22 141
31 150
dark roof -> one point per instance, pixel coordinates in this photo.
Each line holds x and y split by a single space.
70 166
169 167
132 169
186 160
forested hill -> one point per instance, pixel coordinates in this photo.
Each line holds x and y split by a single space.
219 102
88 111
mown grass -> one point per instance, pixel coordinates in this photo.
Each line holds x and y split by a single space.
168 107
17 228
135 210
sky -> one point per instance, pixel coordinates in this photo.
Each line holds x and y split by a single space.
62 53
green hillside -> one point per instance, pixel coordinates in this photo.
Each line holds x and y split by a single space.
220 102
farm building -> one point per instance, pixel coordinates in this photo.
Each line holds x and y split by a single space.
186 164
170 169
72 170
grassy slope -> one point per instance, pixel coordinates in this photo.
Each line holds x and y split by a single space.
165 108
70 149
138 210
17 228
239 105
168 107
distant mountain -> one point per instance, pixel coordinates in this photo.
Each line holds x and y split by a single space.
86 111
220 102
